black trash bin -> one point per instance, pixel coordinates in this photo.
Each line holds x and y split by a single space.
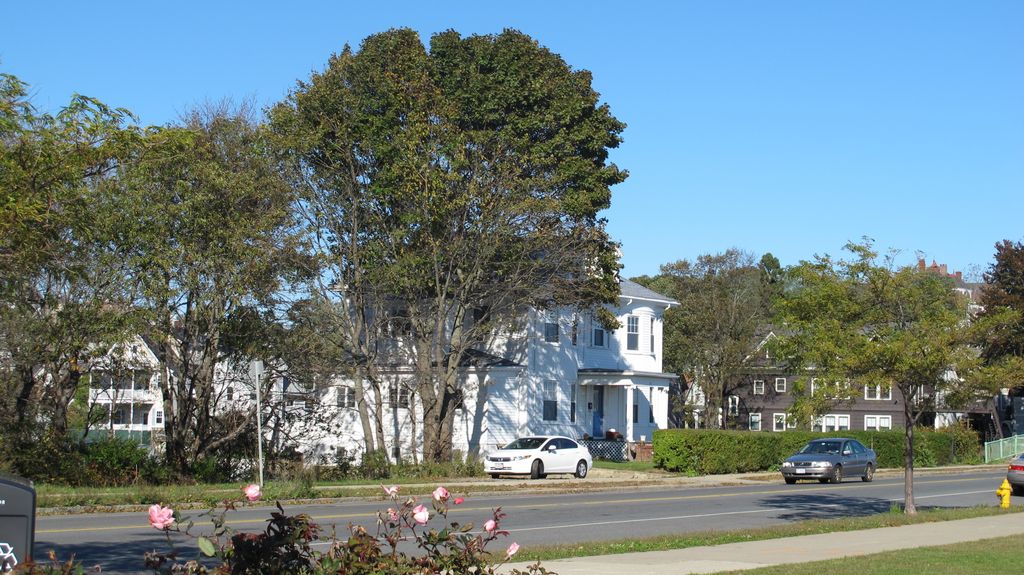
17 521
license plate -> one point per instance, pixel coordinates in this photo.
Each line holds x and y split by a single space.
801 471
501 467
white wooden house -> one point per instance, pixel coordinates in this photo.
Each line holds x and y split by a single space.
563 373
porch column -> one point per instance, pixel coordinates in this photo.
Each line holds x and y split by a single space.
629 412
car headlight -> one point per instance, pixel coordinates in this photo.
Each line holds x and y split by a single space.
821 464
787 464
521 457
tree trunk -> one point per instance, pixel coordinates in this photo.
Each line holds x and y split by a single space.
363 409
908 461
28 384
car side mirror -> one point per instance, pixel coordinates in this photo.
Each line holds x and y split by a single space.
847 452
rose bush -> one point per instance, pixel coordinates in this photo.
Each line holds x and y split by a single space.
403 543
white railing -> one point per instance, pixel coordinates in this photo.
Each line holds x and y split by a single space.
1003 448
122 396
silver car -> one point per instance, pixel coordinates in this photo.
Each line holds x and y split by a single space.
1015 474
830 460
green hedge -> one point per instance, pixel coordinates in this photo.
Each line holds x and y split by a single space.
709 452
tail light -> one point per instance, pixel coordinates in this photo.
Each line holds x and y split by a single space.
1016 467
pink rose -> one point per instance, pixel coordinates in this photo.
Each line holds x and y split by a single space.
512 549
459 500
392 514
161 517
441 494
390 491
490 525
252 492
420 514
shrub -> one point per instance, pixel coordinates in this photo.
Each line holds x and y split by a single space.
709 452
286 545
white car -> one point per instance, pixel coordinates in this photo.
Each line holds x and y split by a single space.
539 455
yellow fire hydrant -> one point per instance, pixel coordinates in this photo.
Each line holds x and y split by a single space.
1003 493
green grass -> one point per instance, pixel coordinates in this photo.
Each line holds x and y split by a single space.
986 557
55 498
811 527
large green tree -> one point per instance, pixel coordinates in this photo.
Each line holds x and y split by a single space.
1002 296
863 321
64 286
457 185
724 302
206 217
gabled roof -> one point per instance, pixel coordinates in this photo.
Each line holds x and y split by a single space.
633 290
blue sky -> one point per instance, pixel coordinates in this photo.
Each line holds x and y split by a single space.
788 126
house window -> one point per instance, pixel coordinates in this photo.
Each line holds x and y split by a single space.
574 390
782 422
346 397
575 334
877 422
118 417
551 332
758 387
141 379
550 400
780 385
145 418
633 333
652 334
231 394
734 405
779 420
599 337
832 422
158 419
877 392
399 396
650 408
755 422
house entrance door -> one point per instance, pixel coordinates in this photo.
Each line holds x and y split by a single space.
598 426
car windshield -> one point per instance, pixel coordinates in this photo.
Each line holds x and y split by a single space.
822 447
526 443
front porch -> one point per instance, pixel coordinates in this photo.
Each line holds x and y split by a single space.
622 404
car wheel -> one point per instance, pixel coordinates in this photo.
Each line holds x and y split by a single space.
581 469
790 480
837 474
537 471
494 476
869 474
1018 490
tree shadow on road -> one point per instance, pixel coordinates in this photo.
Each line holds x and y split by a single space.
802 506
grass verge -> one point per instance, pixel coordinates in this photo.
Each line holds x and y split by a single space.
53 499
986 557
810 527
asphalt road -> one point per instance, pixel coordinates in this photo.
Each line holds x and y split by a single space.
117 541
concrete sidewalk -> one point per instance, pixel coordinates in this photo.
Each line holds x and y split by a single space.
806 548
